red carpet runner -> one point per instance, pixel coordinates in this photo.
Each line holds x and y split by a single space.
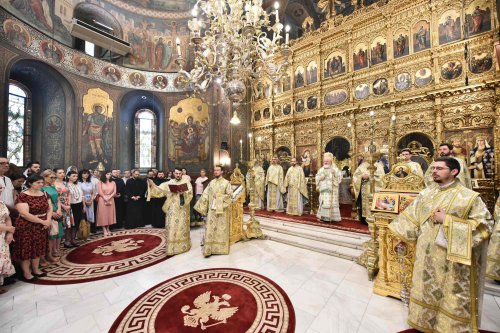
211 301
104 257
346 224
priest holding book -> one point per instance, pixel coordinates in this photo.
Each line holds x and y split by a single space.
178 192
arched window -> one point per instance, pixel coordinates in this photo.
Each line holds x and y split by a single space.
18 117
145 139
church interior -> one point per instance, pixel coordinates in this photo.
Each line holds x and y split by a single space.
307 166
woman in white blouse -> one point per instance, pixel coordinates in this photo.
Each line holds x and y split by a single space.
76 207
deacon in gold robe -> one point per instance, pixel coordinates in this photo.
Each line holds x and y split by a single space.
446 150
274 183
260 188
414 166
177 212
215 202
296 185
450 225
361 185
493 267
328 180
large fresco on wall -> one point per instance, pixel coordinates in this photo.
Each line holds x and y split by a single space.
152 39
97 143
360 56
421 36
449 27
478 18
189 133
401 43
335 64
378 51
16 33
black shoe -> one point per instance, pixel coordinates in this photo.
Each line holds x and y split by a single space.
8 280
34 278
39 275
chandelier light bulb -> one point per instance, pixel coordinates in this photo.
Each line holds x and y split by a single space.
287 28
235 120
250 135
393 118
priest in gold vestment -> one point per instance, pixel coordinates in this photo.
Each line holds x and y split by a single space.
215 202
296 185
493 267
361 185
274 183
414 166
328 180
446 150
259 180
450 225
177 212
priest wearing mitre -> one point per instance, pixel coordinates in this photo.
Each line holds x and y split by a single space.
361 185
296 185
178 192
450 225
215 203
274 183
328 180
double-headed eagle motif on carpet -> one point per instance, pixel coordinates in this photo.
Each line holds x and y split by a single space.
206 310
122 245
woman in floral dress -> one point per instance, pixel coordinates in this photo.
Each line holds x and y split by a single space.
65 198
6 237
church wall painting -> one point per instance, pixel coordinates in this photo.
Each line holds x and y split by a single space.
83 65
16 33
312 72
478 18
160 82
137 79
299 106
335 97
307 155
449 27
480 63
378 51
112 74
421 36
451 70
312 102
402 81
475 147
401 43
51 51
423 77
299 77
335 64
362 91
189 134
287 109
97 144
380 87
360 56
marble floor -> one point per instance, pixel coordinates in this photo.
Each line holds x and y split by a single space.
329 294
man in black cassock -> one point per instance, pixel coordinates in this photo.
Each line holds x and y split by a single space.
157 214
135 188
119 198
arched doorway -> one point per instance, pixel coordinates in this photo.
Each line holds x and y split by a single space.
48 117
140 108
421 146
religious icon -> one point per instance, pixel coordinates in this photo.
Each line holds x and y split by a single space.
421 36
401 44
16 34
334 64
402 82
266 113
312 102
401 173
451 70
267 90
478 18
335 97
480 63
287 85
277 111
51 51
360 56
94 128
378 51
111 74
299 106
287 109
299 77
308 156
423 77
362 91
83 65
257 116
405 200
312 72
385 202
449 27
481 159
160 82
137 79
380 87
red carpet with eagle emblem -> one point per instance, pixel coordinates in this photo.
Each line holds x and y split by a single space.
211 300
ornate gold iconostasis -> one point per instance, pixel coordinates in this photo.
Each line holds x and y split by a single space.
394 73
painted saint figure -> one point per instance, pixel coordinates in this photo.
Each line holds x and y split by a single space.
94 127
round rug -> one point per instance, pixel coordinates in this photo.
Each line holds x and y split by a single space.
210 301
104 257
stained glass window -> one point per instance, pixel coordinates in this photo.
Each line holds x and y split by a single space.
16 122
145 139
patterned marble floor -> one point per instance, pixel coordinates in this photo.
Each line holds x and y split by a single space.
329 294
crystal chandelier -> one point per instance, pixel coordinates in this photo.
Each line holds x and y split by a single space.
234 44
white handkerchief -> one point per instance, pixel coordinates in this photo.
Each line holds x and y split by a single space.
441 238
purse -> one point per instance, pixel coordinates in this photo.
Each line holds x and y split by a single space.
54 228
84 230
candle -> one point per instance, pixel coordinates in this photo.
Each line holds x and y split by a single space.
276 7
287 30
241 150
178 43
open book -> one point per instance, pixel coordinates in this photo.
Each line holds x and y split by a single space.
178 188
